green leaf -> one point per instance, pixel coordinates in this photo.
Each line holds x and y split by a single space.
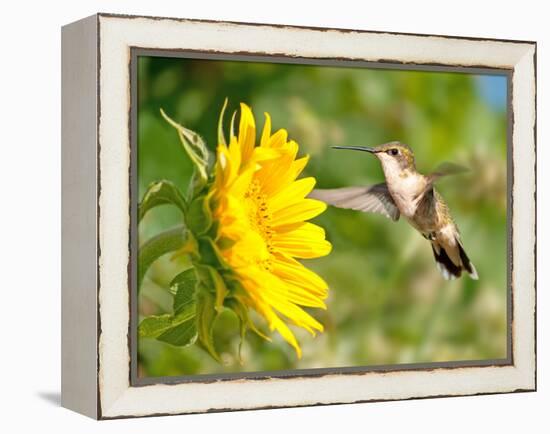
206 317
179 329
155 325
182 335
199 215
183 286
194 147
161 193
165 242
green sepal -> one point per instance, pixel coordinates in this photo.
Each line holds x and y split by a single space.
221 138
245 323
214 229
242 316
205 320
225 243
199 215
195 148
241 310
213 281
161 193
232 124
210 254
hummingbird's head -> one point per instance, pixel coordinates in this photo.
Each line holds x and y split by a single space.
395 157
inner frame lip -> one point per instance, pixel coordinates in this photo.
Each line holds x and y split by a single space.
137 51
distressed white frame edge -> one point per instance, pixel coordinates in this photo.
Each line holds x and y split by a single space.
79 390
116 36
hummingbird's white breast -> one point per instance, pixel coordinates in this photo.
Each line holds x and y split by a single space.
406 188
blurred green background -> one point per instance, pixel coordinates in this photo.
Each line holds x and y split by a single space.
388 304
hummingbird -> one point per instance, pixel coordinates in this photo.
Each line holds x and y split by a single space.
408 193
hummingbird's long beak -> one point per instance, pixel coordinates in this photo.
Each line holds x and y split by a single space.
357 148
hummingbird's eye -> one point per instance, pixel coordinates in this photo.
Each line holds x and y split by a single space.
393 151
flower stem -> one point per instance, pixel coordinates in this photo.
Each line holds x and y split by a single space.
165 242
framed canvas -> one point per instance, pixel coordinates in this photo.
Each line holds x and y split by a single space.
262 216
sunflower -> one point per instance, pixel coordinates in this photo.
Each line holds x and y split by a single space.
262 211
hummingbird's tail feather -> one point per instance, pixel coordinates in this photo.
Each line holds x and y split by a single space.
466 263
449 269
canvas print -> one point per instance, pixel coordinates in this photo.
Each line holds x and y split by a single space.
309 216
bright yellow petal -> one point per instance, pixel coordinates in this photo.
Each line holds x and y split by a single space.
287 335
298 316
294 272
265 154
299 246
247 133
302 297
235 154
298 166
283 298
261 210
266 133
281 293
278 140
223 169
242 183
303 210
292 193
275 323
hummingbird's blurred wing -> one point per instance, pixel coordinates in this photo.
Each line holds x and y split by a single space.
375 199
446 169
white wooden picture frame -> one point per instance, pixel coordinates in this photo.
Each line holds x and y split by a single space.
96 213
